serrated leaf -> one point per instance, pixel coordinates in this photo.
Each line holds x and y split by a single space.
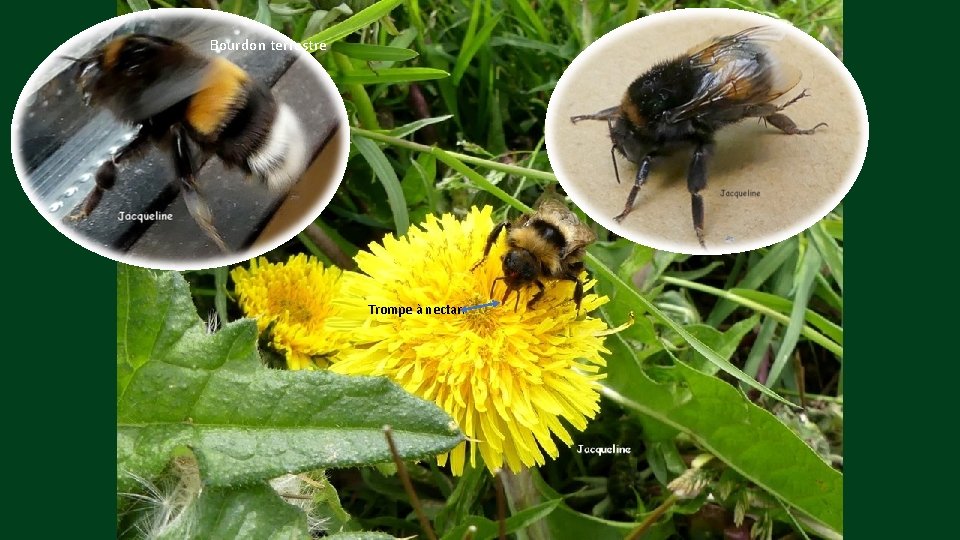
254 511
720 419
179 387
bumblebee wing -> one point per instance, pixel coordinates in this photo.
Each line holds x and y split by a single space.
576 234
740 71
177 84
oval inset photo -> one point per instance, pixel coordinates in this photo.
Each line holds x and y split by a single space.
180 139
706 131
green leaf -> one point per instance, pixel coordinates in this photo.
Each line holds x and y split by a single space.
488 529
724 343
263 12
373 53
253 511
179 387
388 177
138 5
390 75
365 535
565 522
363 18
412 127
721 420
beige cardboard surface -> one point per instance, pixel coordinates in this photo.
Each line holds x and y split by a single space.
799 177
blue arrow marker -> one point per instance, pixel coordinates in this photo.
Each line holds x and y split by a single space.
494 303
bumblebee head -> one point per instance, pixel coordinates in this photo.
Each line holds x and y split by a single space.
121 64
519 266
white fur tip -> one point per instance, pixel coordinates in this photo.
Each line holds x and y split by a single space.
283 157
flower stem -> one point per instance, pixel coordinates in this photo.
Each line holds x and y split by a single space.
365 110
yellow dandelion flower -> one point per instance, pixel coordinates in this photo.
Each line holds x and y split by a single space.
295 300
509 378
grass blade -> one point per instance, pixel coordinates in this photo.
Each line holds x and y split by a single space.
831 252
374 53
390 76
785 306
388 177
470 50
809 268
756 276
412 127
599 268
351 25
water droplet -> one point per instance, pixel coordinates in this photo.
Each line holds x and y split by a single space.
86 177
236 31
55 206
70 191
46 103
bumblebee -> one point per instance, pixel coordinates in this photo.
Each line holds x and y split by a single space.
547 244
682 102
173 97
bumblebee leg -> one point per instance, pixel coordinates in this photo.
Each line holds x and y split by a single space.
771 113
506 296
786 125
106 175
800 96
537 296
643 170
491 239
613 148
196 205
494 286
613 157
696 181
574 275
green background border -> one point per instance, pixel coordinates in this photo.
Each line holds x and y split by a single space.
60 369
62 300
